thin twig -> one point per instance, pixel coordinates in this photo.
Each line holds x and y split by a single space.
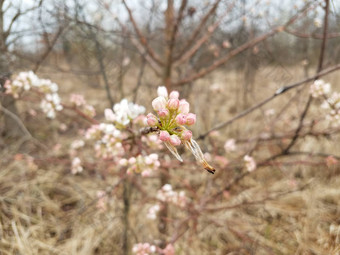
278 92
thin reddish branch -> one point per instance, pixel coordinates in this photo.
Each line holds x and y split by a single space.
190 53
313 36
240 49
278 92
141 37
198 30
320 64
48 49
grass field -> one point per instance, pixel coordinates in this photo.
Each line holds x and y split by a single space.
287 206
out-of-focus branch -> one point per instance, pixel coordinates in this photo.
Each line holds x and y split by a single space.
171 29
313 36
320 64
198 29
147 57
17 120
141 37
187 55
242 48
48 49
278 92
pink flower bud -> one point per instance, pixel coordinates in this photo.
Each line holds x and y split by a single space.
186 135
162 91
183 106
181 119
164 136
173 104
163 113
109 115
159 103
174 94
174 140
191 119
151 120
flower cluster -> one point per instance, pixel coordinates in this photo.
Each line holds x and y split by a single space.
332 100
332 105
101 200
230 145
152 141
152 212
249 163
141 164
123 112
172 117
144 249
26 81
107 138
76 166
166 194
80 102
319 88
75 146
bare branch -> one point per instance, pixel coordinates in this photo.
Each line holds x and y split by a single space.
278 92
141 37
320 64
241 48
186 56
198 29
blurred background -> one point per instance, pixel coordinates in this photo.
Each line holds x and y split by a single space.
275 148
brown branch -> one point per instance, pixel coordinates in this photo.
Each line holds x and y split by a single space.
320 64
170 43
198 29
141 37
313 36
146 56
170 35
186 56
241 48
48 50
278 92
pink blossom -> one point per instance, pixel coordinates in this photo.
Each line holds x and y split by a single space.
102 200
184 106
152 212
159 103
191 119
143 249
151 120
164 136
169 250
186 135
146 173
331 160
173 104
77 99
230 145
163 113
174 94
123 162
174 140
132 160
109 115
249 163
181 119
76 166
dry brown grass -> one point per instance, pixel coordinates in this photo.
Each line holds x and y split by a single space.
46 210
